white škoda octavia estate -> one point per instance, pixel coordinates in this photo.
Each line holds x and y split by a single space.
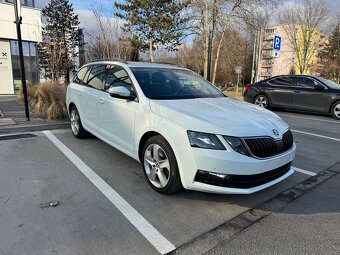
182 129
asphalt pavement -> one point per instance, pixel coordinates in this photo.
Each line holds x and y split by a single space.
308 225
105 205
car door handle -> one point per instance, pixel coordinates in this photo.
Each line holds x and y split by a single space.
297 91
78 93
101 101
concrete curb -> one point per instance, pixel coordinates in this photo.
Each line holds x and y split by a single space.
33 128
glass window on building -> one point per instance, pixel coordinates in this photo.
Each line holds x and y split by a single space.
29 3
30 62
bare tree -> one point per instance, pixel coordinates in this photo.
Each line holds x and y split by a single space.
203 16
212 18
301 22
109 41
232 52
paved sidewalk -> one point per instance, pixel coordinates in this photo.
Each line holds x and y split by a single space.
13 119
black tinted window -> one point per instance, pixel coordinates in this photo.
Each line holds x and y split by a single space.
80 75
117 76
306 82
282 81
96 77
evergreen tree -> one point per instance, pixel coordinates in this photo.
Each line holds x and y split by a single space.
57 51
154 22
330 56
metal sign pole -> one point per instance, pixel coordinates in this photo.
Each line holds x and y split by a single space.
238 79
238 70
21 55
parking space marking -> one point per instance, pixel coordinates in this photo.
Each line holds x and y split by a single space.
139 222
312 134
303 171
308 118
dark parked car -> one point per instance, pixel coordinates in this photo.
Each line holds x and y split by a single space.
300 92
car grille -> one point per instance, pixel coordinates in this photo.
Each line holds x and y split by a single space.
268 147
241 181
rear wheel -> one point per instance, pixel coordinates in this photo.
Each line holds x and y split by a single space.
160 166
262 101
336 110
76 126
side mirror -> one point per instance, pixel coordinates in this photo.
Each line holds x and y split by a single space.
319 87
121 92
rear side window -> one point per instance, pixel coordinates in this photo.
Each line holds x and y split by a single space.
306 82
282 81
80 75
96 77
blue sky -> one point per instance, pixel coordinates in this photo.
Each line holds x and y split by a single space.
84 9
86 4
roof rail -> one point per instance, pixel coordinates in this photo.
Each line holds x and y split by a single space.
166 63
109 59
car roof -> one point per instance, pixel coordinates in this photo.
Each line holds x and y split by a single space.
291 75
150 64
134 64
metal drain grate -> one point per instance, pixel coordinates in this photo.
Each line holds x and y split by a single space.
19 136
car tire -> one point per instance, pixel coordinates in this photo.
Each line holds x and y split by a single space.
262 101
336 110
160 166
77 128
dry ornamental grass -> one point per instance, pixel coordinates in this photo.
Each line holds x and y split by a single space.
48 100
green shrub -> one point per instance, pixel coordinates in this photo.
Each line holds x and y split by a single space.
48 100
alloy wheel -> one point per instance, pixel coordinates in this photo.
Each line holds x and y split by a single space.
261 101
157 165
336 110
75 123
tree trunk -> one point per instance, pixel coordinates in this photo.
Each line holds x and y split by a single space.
151 53
218 51
206 33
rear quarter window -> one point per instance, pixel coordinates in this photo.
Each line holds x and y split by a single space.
80 75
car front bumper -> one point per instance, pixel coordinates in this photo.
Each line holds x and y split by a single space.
234 165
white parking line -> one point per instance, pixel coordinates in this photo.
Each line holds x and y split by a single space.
303 171
307 118
140 223
312 134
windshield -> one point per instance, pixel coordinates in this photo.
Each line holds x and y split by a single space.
166 83
330 83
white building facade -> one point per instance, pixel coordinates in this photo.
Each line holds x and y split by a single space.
10 75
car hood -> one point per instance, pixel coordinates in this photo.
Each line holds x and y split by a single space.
225 116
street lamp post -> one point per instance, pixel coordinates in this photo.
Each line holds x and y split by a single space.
18 19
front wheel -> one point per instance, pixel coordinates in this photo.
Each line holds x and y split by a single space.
262 101
160 166
336 110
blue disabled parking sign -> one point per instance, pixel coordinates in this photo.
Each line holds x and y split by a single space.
277 42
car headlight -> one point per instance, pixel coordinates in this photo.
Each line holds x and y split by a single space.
236 144
204 140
